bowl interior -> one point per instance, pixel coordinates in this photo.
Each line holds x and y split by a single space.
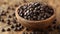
33 20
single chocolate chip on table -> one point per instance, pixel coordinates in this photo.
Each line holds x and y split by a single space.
3 30
12 26
9 16
2 20
13 14
58 27
8 29
8 22
16 25
35 11
16 5
7 11
54 22
9 8
14 21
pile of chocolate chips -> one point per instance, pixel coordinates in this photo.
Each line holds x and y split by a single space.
35 11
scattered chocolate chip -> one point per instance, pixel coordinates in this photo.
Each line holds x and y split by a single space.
7 11
5 3
54 22
27 29
9 16
13 14
14 21
54 26
8 8
58 27
17 25
12 26
16 5
13 9
3 30
8 22
3 20
8 29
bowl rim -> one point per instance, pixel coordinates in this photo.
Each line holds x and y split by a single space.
33 20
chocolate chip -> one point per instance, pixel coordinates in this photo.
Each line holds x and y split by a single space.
13 9
5 3
14 21
54 22
16 25
9 16
3 30
8 22
7 11
16 5
12 26
13 14
54 26
3 20
58 27
8 29
27 29
33 10
19 24
8 8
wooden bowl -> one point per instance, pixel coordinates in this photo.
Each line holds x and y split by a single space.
34 25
